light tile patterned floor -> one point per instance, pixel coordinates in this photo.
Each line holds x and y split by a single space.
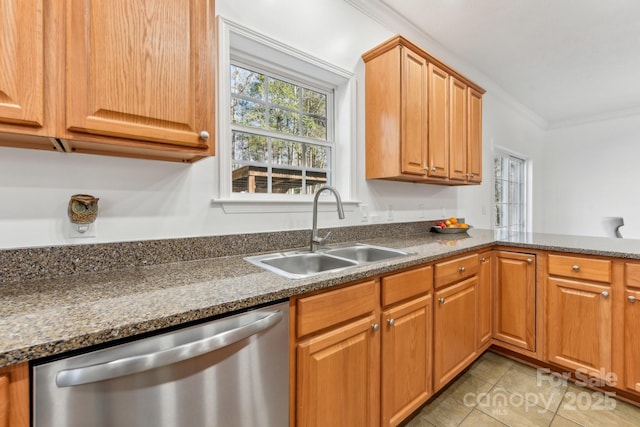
497 391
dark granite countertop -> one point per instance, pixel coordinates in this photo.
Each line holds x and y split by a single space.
49 316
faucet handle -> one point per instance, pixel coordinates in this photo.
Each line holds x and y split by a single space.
320 240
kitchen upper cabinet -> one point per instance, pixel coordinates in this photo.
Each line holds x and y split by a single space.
14 396
27 44
141 75
458 129
423 119
474 135
114 77
438 165
515 299
22 63
396 119
579 323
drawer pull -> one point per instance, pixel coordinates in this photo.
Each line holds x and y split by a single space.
576 268
529 260
462 269
375 327
605 294
631 298
441 300
391 322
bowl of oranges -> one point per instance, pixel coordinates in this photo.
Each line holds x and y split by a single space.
450 226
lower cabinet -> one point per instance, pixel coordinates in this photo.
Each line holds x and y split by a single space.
352 340
631 328
484 301
454 330
14 396
338 375
406 343
579 324
514 318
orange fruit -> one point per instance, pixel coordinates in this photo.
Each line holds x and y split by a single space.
453 220
463 225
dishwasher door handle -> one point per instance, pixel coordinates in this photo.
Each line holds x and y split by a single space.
135 364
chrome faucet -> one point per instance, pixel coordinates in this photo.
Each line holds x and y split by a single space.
317 241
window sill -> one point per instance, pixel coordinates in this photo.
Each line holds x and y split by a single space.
236 206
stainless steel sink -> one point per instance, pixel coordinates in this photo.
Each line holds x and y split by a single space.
366 253
298 265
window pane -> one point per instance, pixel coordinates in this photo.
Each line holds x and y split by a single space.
283 121
247 113
286 152
317 156
249 179
284 94
247 83
287 181
314 103
314 128
249 148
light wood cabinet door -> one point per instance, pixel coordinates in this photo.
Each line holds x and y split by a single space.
22 64
14 396
458 130
474 138
579 326
632 340
484 300
454 330
406 359
438 151
515 299
414 113
141 70
338 374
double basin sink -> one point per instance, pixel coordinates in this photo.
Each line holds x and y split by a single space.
298 265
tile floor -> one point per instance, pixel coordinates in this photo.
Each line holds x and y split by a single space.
496 391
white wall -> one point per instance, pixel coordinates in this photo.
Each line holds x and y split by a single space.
592 175
142 199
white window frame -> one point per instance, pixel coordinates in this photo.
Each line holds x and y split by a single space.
239 44
527 188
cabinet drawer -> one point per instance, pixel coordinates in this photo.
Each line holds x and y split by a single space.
333 307
401 286
632 274
598 270
452 271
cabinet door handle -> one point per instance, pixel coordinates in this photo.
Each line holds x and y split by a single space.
576 268
483 259
375 327
391 322
631 298
529 260
441 300
462 269
204 135
605 294
433 169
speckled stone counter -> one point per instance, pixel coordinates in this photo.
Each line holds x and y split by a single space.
48 316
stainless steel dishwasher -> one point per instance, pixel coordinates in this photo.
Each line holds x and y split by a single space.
232 371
